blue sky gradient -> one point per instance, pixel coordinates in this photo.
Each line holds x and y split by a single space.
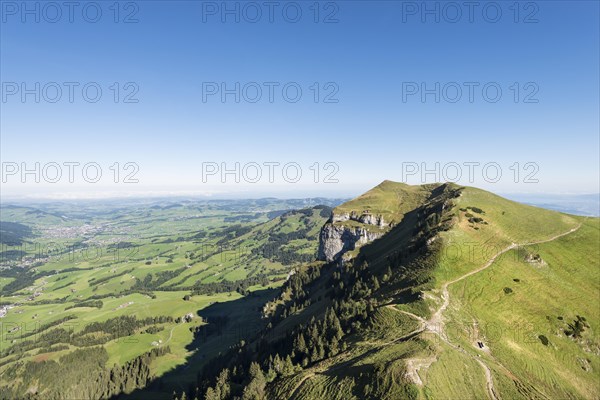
367 55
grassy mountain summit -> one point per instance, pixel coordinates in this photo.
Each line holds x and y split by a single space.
458 293
391 200
369 216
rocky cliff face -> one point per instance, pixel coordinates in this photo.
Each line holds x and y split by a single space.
336 239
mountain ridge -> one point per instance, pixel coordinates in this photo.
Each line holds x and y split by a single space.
368 318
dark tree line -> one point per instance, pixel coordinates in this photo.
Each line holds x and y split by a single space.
93 334
241 286
81 374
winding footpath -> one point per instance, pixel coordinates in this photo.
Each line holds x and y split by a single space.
436 323
170 335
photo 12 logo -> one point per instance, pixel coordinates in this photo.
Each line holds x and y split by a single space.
469 172
53 12
269 172
252 12
469 92
477 252
452 12
269 92
68 172
31 254
69 92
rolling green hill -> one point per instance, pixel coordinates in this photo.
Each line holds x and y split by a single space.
406 292
466 295
104 293
389 199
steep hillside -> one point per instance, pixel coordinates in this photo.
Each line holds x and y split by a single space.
368 217
460 294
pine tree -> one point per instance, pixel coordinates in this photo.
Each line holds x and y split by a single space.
338 333
223 385
375 283
255 390
313 335
211 395
300 344
277 364
388 274
333 347
288 367
271 369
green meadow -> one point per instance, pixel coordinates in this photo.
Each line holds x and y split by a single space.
88 264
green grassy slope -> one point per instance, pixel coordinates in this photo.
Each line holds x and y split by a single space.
517 304
171 251
477 297
389 199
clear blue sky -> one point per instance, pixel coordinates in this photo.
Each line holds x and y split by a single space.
367 54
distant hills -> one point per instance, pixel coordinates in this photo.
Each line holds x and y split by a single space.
14 234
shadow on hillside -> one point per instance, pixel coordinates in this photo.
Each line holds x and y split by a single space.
392 247
228 323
